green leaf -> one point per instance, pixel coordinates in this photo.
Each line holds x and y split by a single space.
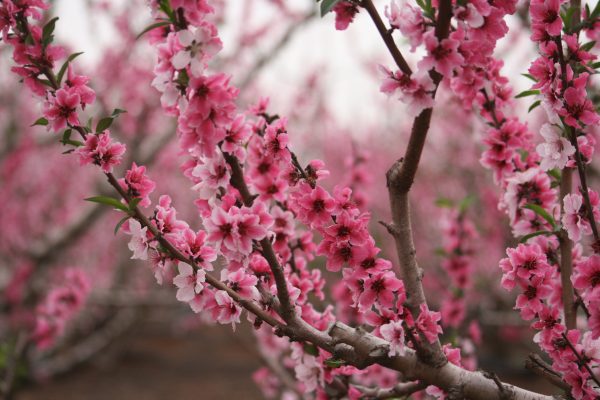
529 76
444 202
567 17
40 121
47 32
555 173
133 203
526 93
542 213
595 65
588 46
66 138
335 362
534 234
104 124
109 201
120 223
151 27
465 203
534 105
311 349
327 5
46 82
166 8
117 111
63 69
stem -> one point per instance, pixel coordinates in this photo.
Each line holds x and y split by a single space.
211 280
386 35
566 259
582 362
543 369
237 181
585 191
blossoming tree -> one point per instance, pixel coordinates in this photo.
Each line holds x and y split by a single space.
266 214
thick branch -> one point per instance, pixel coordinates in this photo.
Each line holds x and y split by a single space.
399 181
472 384
400 390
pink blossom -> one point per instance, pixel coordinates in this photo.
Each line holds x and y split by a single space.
409 20
344 14
574 217
587 276
525 261
545 14
139 240
228 311
244 284
61 109
213 173
198 47
381 287
193 245
316 206
578 109
535 290
555 151
188 282
443 57
101 150
137 184
427 323
393 332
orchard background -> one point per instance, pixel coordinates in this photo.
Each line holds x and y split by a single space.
290 201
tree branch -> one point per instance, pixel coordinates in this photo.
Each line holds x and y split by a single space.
237 181
386 35
400 178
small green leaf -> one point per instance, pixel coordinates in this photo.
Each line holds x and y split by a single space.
120 223
465 203
63 69
595 65
133 203
47 32
444 202
327 5
525 238
104 124
152 27
534 105
40 121
46 82
588 46
66 138
117 111
542 213
526 93
166 8
440 252
555 173
311 349
529 76
109 201
335 362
